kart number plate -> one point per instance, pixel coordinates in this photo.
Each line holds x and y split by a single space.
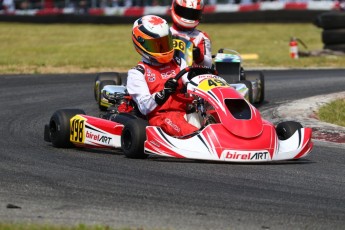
77 124
186 50
210 83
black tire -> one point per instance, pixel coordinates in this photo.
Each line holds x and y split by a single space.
133 138
260 78
106 76
287 128
336 47
331 37
101 86
262 88
250 90
59 127
242 74
331 20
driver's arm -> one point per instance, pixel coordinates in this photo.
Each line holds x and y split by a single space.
138 89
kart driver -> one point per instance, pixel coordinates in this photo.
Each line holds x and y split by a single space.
151 83
186 15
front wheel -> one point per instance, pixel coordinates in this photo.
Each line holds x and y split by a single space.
99 96
114 76
262 88
59 127
286 129
250 90
133 138
259 78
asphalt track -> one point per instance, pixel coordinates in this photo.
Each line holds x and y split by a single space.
42 184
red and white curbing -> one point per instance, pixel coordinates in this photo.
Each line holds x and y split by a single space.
304 111
209 9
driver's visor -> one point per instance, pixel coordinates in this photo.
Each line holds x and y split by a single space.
187 13
158 45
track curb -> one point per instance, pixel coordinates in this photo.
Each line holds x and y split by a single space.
304 111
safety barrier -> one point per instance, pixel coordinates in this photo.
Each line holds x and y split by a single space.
333 34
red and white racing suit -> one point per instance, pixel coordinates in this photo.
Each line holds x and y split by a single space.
145 80
200 39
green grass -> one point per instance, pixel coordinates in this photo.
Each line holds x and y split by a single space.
333 112
37 48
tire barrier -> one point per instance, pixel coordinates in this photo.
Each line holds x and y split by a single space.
333 34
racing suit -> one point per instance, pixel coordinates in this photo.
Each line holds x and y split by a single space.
201 40
145 81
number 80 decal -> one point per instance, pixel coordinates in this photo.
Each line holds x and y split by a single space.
77 129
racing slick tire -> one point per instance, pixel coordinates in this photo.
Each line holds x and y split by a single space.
99 96
259 77
287 128
133 138
262 88
250 90
242 74
115 76
59 127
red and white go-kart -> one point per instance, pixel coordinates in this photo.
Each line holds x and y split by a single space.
232 128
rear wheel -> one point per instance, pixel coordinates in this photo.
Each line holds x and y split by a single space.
59 127
133 138
287 128
106 76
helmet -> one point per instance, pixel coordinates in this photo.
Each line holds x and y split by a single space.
152 39
186 14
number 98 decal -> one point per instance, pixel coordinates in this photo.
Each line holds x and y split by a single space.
77 129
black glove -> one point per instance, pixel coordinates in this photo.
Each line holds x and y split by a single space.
170 87
196 53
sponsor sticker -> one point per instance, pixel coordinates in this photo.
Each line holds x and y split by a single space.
155 143
168 74
174 126
97 137
233 155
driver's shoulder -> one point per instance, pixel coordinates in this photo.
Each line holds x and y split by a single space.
140 68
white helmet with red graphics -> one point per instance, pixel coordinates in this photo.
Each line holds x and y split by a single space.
152 39
186 14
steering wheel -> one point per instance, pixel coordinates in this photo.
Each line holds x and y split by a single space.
195 71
